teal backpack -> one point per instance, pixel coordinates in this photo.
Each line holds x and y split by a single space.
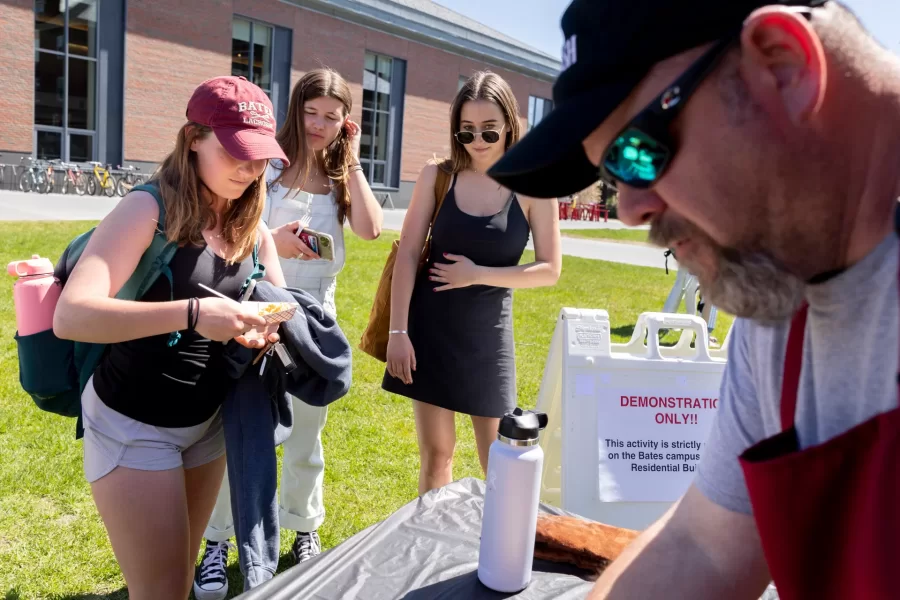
54 371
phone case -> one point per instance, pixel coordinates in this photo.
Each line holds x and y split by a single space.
326 246
320 243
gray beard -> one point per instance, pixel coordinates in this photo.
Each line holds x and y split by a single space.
746 283
753 286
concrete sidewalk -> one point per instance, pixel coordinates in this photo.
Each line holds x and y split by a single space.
21 206
629 254
393 219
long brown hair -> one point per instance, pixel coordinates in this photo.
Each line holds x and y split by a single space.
292 135
483 85
188 214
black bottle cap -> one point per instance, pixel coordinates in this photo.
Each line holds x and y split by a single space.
522 424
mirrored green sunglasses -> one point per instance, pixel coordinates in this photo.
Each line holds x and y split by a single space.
642 151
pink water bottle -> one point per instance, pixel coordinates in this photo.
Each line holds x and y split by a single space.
35 294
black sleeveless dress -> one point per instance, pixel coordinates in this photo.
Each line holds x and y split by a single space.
463 338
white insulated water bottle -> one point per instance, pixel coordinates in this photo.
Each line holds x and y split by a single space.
511 499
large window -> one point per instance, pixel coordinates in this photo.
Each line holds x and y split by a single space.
262 54
251 52
538 108
383 88
65 79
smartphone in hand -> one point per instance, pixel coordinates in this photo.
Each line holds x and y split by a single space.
320 243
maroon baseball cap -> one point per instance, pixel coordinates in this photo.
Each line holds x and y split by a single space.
241 116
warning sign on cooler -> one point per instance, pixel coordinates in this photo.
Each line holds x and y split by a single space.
650 443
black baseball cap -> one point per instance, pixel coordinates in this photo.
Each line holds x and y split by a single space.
609 47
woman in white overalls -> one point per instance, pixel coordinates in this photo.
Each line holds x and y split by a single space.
325 184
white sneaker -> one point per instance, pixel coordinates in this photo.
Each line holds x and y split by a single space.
210 579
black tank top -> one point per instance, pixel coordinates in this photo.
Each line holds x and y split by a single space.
180 385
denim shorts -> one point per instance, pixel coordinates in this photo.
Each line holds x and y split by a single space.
113 440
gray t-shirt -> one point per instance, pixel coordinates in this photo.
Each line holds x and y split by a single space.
849 372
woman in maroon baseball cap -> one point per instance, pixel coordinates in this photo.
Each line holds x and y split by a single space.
154 449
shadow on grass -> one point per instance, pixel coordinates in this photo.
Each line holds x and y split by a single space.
667 337
623 330
121 594
235 585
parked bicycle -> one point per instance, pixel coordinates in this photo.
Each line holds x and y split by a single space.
102 180
128 178
34 176
72 178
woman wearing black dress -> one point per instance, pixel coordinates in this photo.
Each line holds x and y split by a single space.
451 347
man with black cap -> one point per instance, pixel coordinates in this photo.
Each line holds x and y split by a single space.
761 141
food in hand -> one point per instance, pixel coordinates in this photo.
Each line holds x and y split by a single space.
274 312
268 308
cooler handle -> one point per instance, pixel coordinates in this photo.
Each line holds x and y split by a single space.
650 323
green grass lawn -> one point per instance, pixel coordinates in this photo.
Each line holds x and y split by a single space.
615 235
52 542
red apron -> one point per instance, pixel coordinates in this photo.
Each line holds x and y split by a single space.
827 515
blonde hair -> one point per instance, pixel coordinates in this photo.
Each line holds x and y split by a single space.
483 85
188 214
291 137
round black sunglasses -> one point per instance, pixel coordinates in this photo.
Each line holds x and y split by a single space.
490 136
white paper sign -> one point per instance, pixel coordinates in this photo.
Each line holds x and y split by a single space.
651 441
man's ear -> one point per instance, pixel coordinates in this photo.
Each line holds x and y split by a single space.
783 63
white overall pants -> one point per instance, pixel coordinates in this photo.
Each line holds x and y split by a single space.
303 467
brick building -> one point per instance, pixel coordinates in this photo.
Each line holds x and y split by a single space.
108 80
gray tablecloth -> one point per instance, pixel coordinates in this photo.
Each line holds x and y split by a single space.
427 550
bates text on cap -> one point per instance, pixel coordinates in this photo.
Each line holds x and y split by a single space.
256 113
